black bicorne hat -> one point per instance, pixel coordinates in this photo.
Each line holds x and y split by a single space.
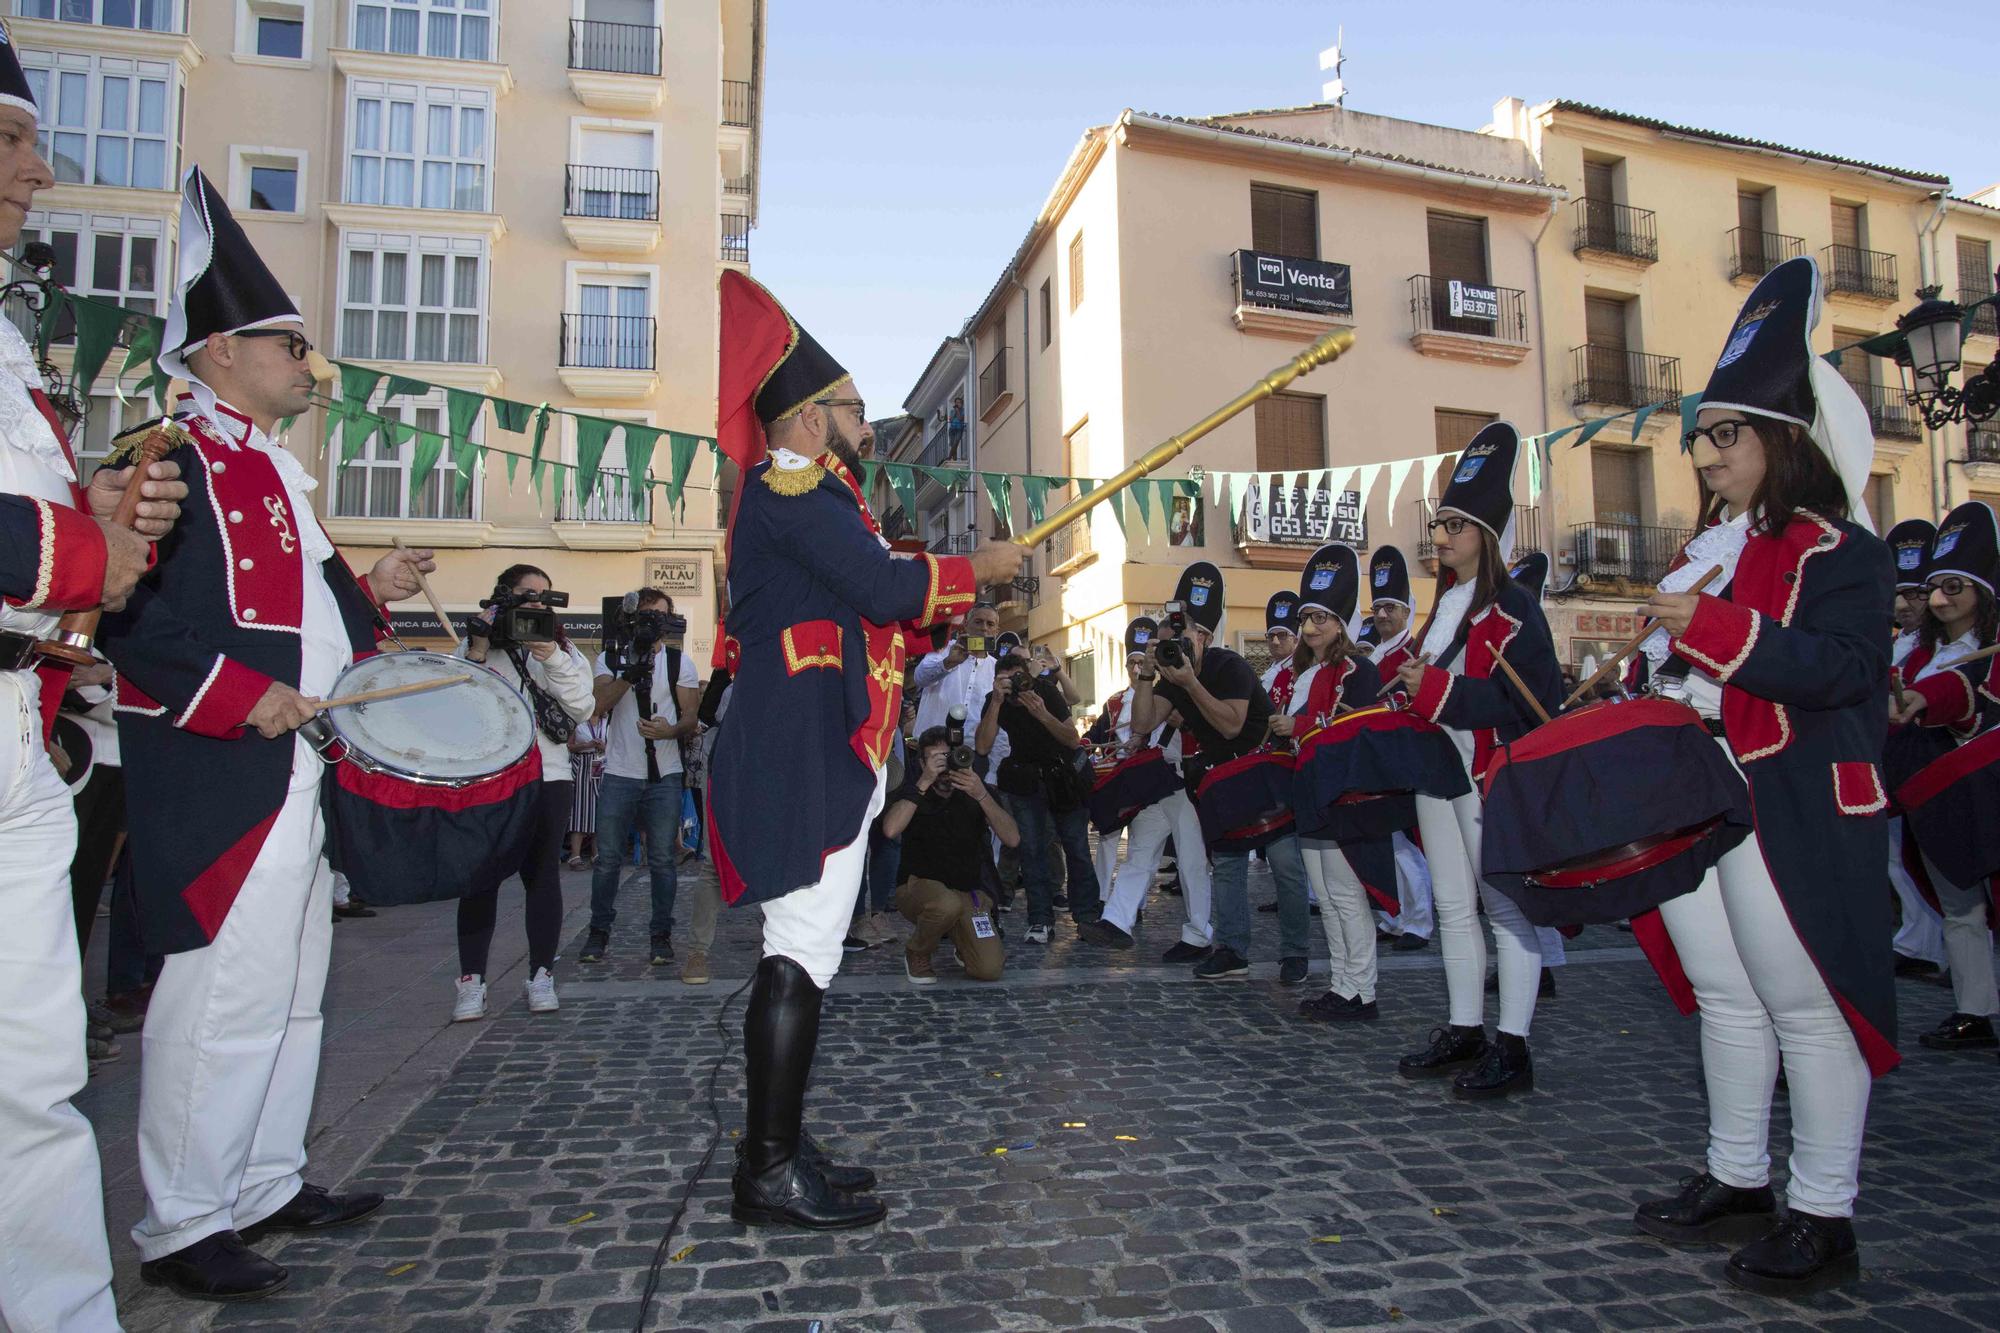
1910 541
806 372
1138 634
1968 544
222 284
1482 483
1766 364
1331 581
1200 591
1282 612
14 88
1531 571
1388 576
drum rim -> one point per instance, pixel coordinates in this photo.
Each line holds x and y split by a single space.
358 755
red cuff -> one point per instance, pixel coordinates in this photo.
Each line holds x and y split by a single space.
1720 636
1432 691
224 701
1948 700
952 588
70 559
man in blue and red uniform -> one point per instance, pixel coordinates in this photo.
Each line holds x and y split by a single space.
817 606
221 653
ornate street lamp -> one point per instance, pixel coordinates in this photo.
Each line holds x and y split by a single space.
1930 356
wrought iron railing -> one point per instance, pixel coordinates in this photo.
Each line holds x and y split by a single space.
612 192
1622 378
736 237
1982 446
1071 542
1891 413
737 184
736 102
953 543
1628 551
1617 229
1752 254
1869 273
993 380
1986 319
608 342
614 501
946 445
614 48
1430 311
1527 529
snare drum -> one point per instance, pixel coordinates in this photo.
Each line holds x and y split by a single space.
431 796
1246 803
1128 786
1949 805
1360 774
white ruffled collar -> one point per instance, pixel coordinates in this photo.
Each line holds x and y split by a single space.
1452 604
22 424
1721 544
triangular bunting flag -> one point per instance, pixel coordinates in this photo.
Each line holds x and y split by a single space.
680 449
430 444
592 435
639 443
997 499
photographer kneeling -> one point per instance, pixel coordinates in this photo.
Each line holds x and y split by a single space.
652 693
517 637
942 813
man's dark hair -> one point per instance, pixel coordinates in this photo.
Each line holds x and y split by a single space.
932 736
1011 662
654 597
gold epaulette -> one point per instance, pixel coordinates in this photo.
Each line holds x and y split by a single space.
793 481
125 447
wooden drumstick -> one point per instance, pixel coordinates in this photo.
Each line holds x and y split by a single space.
437 607
391 692
1611 663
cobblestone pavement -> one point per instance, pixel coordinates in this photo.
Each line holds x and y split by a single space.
1179 1157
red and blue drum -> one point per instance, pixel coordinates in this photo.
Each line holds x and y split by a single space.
1360 774
1952 805
1609 811
1246 803
1126 786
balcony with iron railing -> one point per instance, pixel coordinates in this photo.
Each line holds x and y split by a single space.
1891 413
1752 254
993 382
611 192
946 445
737 102
953 543
1622 378
1986 319
613 501
1527 530
1982 445
737 185
1625 552
608 342
1607 228
1070 546
735 238
615 48
1495 332
1868 274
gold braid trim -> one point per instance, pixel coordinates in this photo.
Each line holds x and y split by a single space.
45 571
794 481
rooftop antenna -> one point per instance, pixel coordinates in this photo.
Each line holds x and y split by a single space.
1334 91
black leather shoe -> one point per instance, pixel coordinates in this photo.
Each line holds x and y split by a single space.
1292 971
1961 1032
844 1179
313 1209
1907 966
1797 1257
1450 1048
1102 932
1503 1069
794 1195
1222 964
216 1268
1332 1008
1407 943
1184 952
1708 1212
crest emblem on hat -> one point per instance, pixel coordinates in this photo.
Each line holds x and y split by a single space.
1281 611
1322 579
1469 469
1745 334
1198 595
1142 636
1381 576
1947 540
1909 556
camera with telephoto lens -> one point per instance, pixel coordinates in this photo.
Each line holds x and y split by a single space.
1171 647
960 754
515 622
632 635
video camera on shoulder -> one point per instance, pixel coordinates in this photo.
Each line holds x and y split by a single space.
1171 645
516 622
633 634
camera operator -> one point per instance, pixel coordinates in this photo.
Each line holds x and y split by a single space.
652 693
1031 746
960 674
942 813
556 679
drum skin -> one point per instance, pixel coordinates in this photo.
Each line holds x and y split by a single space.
1359 776
1129 786
1246 803
1951 806
1609 811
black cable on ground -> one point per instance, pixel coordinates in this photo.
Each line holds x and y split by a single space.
701 1168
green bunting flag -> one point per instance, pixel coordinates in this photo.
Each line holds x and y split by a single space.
870 471
1690 405
592 435
1117 506
1138 494
1036 490
511 416
903 481
1590 429
997 498
357 386
462 412
680 449
465 457
542 415
400 385
98 325
639 443
430 445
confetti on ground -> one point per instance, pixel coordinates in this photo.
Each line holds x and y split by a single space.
683 1253
1126 1138
1444 1212
1326 1240
1076 1124
995 1074
1395 1312
1021 1147
585 1218
996 1152
400 1269
735 1133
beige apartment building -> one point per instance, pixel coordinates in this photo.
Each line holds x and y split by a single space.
526 198
1665 230
1174 263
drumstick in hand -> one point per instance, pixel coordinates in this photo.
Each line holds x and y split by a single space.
390 692
1611 663
1521 685
437 607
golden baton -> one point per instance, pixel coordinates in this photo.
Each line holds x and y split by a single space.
1326 350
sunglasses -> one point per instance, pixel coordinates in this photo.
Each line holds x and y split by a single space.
1452 526
1723 434
1950 587
295 342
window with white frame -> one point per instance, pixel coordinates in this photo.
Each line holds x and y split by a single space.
376 482
615 170
267 180
113 258
441 29
274 29
412 299
149 15
104 118
610 325
412 147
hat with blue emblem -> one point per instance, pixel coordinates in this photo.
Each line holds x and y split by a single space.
1331 582
1200 592
1910 542
1138 635
221 284
1482 481
1968 545
1531 571
1388 576
1282 612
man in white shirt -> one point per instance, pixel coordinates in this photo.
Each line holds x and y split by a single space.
642 776
959 675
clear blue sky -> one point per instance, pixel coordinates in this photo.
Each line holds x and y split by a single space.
908 143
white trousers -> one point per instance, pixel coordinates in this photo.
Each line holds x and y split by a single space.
1145 840
1107 861
1343 915
1760 995
1549 942
1922 933
1452 831
1968 943
808 924
1413 892
55 1262
232 1047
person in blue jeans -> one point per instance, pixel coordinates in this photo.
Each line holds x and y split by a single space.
1027 738
652 702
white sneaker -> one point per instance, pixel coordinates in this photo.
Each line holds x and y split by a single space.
541 989
471 1002
1038 934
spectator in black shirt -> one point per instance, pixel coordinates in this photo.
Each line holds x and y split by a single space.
1026 733
943 814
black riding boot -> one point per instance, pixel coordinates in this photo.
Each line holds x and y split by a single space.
1504 1068
775 1184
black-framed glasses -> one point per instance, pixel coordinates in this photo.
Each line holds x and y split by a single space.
1723 434
1917 594
1950 587
1453 524
860 407
1315 617
1383 608
295 342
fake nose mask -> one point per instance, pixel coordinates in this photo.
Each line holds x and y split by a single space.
321 368
1704 452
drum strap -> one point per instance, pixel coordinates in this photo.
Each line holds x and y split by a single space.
554 722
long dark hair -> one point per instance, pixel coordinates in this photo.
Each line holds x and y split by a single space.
513 574
1797 478
1985 621
1486 585
1302 656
